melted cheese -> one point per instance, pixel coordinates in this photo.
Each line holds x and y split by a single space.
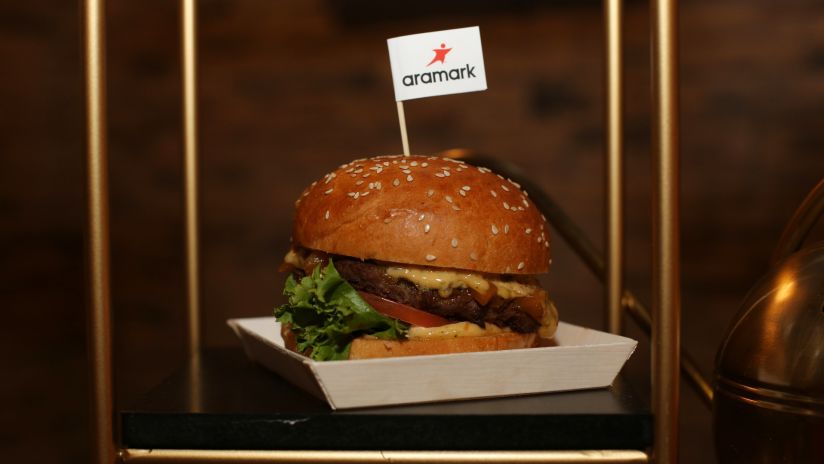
445 281
458 329
442 281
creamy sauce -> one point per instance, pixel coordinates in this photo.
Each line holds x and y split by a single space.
455 330
445 281
293 258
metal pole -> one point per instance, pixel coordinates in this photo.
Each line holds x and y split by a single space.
613 22
666 257
97 232
188 42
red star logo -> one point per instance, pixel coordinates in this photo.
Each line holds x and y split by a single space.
440 54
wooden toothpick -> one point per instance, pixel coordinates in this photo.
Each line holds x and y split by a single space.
402 122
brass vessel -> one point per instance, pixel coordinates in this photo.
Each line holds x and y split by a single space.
769 378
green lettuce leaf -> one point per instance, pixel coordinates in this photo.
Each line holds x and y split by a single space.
326 314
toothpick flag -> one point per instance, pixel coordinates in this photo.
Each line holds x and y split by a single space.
437 63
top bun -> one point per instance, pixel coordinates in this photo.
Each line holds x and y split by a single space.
424 210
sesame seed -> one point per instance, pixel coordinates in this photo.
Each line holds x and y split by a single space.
454 243
506 228
350 170
424 164
358 171
446 168
328 192
520 265
426 228
371 185
387 220
413 163
493 193
420 218
455 207
395 162
546 243
462 193
326 216
357 194
504 187
528 231
364 194
396 182
378 185
448 198
403 167
446 173
386 163
514 183
473 256
407 171
494 229
438 174
540 239
359 182
431 257
409 178
366 175
430 193
506 205
465 187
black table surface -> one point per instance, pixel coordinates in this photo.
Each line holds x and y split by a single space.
228 402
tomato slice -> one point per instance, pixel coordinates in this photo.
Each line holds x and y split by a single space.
403 312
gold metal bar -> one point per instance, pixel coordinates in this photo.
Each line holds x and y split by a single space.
97 231
666 258
189 51
801 224
405 457
613 22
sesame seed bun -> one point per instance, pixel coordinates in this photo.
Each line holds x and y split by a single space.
427 211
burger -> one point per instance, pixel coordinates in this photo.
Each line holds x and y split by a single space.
415 255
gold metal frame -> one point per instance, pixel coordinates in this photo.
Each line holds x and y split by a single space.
613 44
97 232
188 41
666 259
666 306
404 457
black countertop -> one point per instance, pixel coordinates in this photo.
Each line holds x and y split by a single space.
228 402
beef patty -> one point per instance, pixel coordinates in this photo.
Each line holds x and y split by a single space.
458 306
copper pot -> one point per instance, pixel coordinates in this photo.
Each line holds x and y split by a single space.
769 379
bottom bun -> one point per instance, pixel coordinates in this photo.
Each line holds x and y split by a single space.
370 347
367 348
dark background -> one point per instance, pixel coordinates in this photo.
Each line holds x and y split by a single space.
291 89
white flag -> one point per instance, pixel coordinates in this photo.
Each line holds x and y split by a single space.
437 63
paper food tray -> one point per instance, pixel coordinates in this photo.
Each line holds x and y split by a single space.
583 358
